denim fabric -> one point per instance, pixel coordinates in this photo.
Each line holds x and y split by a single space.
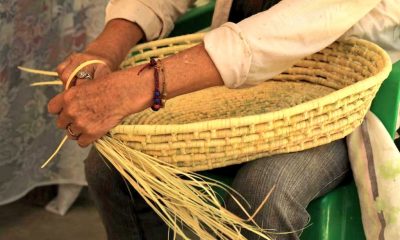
298 178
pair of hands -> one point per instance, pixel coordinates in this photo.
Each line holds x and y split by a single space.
90 108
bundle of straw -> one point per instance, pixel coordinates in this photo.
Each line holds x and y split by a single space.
321 99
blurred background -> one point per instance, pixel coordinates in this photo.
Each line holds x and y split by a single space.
40 34
50 203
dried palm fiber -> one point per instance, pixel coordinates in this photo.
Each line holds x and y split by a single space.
320 99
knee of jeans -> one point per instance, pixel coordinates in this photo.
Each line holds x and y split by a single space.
284 209
290 191
285 198
274 180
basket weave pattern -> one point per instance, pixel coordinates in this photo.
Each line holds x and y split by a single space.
348 74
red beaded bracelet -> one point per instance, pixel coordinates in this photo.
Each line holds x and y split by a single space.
159 97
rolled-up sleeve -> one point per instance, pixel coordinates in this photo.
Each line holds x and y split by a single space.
155 17
264 45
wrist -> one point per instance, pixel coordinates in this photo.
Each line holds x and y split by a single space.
136 90
114 43
143 87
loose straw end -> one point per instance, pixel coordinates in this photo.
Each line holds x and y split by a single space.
55 152
46 83
176 195
35 71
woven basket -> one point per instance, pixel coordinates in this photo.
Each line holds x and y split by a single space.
322 98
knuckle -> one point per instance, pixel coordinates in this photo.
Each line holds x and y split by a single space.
65 75
80 124
69 95
69 112
80 57
88 55
59 123
74 56
82 142
90 132
60 67
50 106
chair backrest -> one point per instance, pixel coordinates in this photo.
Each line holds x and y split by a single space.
194 20
386 103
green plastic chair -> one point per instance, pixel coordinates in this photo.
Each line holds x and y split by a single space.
337 215
194 20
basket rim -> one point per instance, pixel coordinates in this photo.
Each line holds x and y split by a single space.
234 122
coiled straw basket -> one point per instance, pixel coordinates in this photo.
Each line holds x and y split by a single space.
322 98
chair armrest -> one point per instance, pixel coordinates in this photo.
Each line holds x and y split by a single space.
386 102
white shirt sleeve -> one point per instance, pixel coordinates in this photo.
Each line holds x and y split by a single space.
268 43
155 17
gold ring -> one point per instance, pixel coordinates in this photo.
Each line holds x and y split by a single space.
70 131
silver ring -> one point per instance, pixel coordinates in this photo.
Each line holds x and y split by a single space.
84 75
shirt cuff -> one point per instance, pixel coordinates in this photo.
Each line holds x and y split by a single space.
138 13
230 52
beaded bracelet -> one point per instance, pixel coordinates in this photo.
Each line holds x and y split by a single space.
159 97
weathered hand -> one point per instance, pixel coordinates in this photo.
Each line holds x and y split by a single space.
94 107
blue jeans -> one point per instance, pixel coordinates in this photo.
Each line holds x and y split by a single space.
298 178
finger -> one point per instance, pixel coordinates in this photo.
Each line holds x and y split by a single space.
63 121
79 81
72 132
85 140
55 105
61 67
75 61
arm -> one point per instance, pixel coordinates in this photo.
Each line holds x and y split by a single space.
272 41
94 107
117 38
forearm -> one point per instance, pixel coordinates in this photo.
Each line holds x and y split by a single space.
188 71
117 38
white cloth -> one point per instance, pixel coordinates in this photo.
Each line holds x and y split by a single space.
267 43
375 162
155 17
270 42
